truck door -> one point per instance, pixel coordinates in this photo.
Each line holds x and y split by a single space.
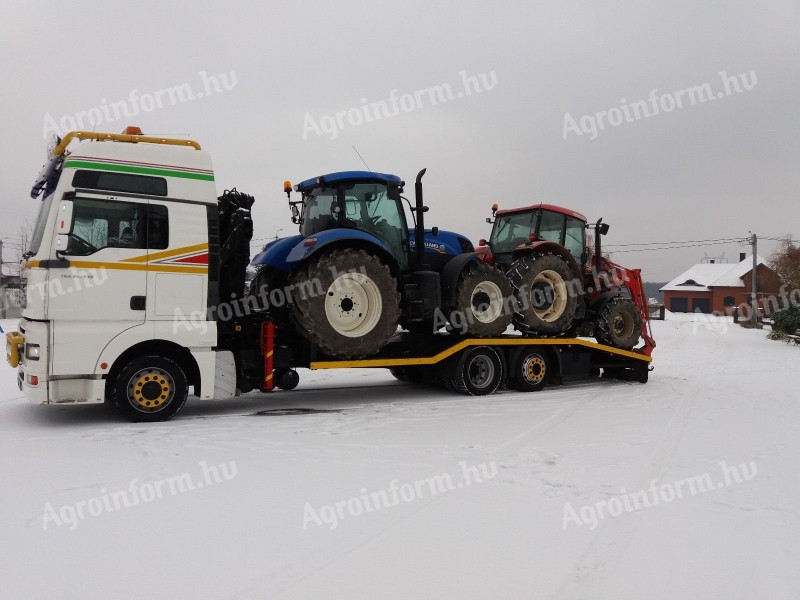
100 287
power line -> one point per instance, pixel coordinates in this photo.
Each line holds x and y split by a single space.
670 247
718 240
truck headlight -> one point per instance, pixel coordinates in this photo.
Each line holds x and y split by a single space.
32 351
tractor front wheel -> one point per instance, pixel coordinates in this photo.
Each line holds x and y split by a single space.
618 324
346 302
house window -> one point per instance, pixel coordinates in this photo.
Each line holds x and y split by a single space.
729 301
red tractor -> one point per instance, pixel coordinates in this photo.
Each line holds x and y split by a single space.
562 288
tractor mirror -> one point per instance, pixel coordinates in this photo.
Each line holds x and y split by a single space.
603 229
488 219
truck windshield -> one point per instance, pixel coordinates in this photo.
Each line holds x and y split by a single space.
41 221
510 231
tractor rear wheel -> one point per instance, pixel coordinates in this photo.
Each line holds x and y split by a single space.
619 324
483 302
542 285
346 302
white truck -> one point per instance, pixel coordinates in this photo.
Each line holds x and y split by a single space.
131 255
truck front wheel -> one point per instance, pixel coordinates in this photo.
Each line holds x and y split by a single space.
150 388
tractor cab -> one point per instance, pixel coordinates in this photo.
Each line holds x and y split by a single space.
516 229
364 201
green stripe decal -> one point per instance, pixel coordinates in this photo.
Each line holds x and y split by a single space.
77 164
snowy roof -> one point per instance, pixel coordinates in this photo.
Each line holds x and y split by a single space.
702 277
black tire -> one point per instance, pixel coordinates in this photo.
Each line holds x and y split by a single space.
479 372
150 388
530 370
412 374
426 327
547 294
346 302
266 281
399 373
619 324
484 302
286 379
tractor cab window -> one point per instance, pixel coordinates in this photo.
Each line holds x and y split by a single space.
320 211
551 226
510 231
574 239
375 209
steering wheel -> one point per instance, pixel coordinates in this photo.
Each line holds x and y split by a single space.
90 248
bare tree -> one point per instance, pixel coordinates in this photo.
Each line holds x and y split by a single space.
786 263
21 245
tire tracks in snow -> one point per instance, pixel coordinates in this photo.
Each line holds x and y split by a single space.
601 559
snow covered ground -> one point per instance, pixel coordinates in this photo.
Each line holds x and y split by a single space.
533 476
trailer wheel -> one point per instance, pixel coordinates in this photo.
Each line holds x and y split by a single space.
542 286
286 379
531 370
413 374
482 302
347 303
619 324
479 372
150 388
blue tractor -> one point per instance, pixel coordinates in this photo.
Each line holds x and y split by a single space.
355 270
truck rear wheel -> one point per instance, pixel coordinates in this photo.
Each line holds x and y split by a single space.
150 388
619 324
479 372
542 285
483 302
346 302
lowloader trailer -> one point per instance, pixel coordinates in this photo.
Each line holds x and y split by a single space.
472 366
135 284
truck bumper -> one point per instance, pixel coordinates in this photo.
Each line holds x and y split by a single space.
32 375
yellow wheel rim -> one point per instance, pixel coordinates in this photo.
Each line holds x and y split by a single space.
151 389
534 368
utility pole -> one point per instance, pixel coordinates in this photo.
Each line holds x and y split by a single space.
754 292
2 286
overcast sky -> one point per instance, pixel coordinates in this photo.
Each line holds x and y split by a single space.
707 170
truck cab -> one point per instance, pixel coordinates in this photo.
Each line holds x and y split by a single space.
119 254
